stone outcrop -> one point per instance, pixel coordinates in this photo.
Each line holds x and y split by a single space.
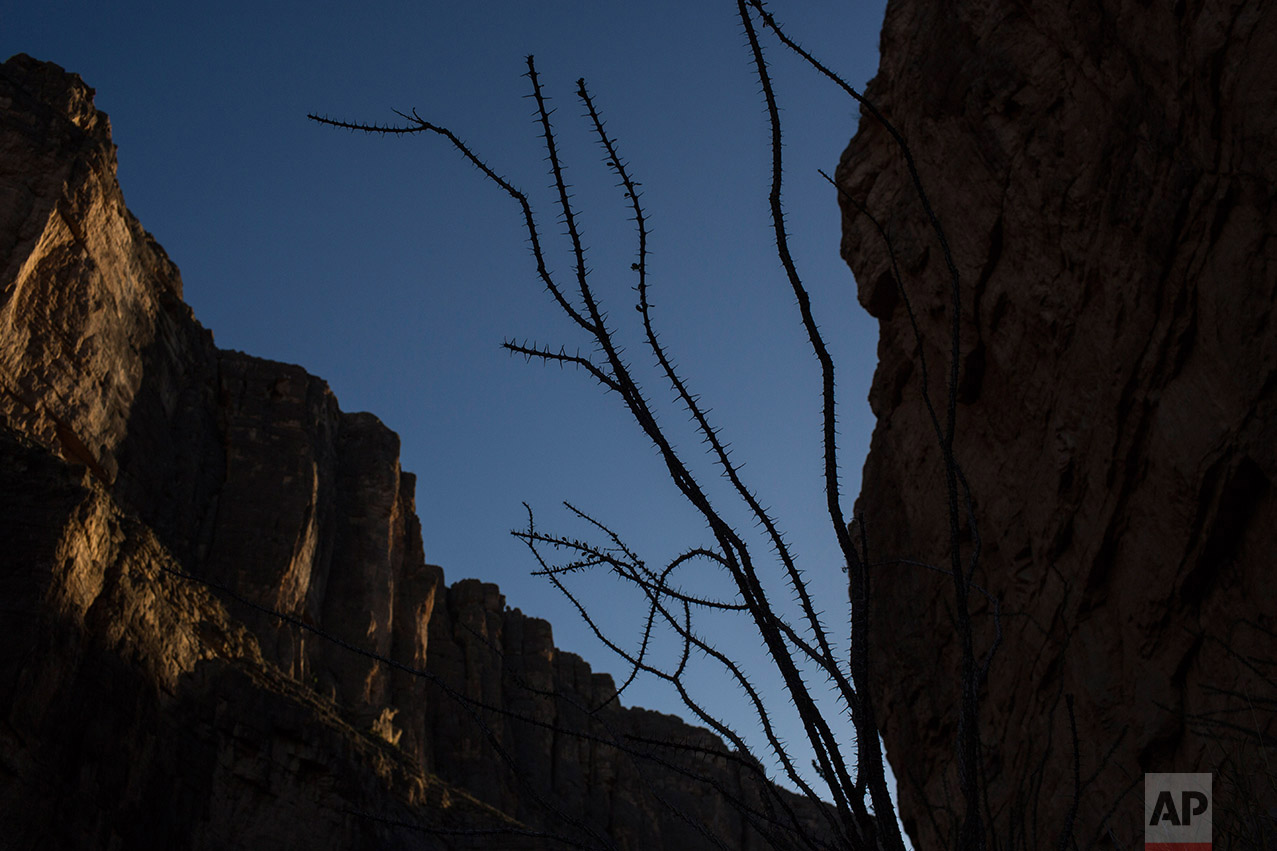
138 714
1106 179
560 730
221 628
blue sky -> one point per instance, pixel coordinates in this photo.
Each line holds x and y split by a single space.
390 268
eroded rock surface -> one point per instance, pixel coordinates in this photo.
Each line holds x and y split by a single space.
207 566
138 714
1106 179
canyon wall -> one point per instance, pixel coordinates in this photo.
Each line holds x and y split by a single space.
1105 177
221 630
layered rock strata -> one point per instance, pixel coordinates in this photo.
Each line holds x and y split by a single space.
1106 180
222 630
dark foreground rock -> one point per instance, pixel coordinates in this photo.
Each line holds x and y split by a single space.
1106 177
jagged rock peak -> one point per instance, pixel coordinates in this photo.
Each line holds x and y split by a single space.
195 540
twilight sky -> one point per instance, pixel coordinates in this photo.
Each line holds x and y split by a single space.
389 267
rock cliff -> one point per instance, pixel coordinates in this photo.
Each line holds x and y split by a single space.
221 630
1106 179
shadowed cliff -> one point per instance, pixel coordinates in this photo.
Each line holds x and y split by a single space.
1106 178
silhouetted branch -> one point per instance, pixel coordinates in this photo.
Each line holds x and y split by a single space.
667 607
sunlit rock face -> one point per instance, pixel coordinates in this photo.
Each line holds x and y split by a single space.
142 709
1105 178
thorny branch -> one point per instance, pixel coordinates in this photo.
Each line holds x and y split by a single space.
668 607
